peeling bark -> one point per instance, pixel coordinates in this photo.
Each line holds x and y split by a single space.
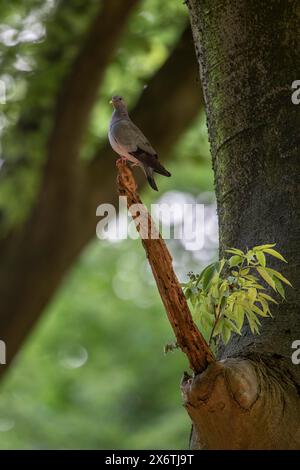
249 55
189 338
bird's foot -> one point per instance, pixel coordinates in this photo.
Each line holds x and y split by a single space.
121 161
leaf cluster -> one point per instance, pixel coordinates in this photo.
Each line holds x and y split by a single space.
232 290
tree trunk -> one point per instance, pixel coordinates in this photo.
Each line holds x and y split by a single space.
249 55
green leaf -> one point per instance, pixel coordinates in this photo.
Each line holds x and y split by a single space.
268 297
240 315
252 294
263 247
253 322
235 261
235 251
265 275
204 270
224 288
257 286
206 321
265 307
280 276
188 293
221 265
215 291
231 326
208 274
249 256
250 277
258 311
261 258
275 254
209 305
244 272
226 333
218 327
279 288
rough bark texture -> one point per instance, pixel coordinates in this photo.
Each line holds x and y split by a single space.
189 338
249 55
36 256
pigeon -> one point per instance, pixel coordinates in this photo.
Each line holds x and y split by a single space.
130 143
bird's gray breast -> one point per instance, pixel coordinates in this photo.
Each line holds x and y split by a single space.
113 142
117 146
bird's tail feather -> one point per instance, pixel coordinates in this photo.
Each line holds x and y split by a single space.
160 169
149 174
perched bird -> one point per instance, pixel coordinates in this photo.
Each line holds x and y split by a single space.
130 143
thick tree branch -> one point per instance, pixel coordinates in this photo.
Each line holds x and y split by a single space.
189 338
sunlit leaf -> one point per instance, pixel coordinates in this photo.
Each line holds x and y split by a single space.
249 255
231 325
266 276
253 321
218 327
258 311
235 251
275 254
235 261
207 322
265 306
268 297
240 315
263 247
215 291
250 277
261 258
279 287
244 272
208 274
226 332
230 299
280 276
221 265
252 293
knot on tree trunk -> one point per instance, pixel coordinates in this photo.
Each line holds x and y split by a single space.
242 404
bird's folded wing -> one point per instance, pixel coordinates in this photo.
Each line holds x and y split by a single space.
129 136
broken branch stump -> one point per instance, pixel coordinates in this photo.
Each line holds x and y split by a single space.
189 338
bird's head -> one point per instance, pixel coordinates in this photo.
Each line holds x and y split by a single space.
118 102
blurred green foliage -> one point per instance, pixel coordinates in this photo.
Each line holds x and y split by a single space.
38 41
93 373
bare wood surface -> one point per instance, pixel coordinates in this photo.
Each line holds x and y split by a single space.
188 337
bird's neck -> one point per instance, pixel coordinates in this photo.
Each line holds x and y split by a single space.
119 114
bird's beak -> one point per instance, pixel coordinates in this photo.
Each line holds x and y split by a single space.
110 102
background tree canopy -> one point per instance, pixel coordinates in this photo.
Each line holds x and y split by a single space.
80 379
